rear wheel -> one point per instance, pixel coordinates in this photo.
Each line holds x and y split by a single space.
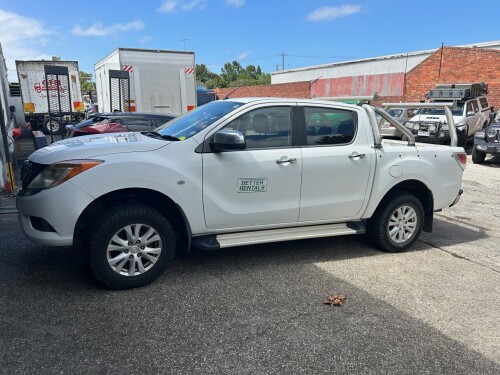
51 126
397 222
478 156
130 246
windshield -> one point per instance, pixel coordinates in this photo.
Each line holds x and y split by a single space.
191 123
395 112
457 111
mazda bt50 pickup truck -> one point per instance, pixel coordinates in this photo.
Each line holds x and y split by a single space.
231 173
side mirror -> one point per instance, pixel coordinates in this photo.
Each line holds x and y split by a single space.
225 140
470 113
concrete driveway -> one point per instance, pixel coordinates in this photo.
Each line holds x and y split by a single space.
259 309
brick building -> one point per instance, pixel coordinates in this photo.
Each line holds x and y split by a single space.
396 78
452 65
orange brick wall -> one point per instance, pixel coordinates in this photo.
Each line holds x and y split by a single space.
284 90
458 65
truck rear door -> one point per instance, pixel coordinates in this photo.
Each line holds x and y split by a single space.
338 164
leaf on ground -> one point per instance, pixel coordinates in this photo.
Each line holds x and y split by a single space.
335 300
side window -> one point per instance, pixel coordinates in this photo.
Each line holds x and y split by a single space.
475 106
135 124
265 127
469 108
329 126
484 102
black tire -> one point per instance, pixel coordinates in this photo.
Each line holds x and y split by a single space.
462 138
129 256
379 225
478 156
51 127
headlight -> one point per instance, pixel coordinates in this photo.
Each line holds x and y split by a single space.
432 128
491 132
408 124
416 126
58 173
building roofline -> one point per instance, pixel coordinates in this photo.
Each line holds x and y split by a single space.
385 57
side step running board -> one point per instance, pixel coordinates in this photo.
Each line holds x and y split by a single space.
221 241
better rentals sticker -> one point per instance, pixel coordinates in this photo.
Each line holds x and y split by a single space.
252 185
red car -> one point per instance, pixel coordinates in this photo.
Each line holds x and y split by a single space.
118 123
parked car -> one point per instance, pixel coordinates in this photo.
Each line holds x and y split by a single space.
486 141
400 114
118 122
471 113
232 173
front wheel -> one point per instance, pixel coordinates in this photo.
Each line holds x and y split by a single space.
462 137
130 246
478 156
397 222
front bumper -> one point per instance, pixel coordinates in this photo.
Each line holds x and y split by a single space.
487 147
49 217
433 138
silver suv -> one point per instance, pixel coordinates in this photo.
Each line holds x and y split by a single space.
471 113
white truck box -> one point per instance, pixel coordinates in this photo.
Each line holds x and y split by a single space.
160 81
32 83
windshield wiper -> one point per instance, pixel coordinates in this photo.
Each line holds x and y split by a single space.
158 135
170 137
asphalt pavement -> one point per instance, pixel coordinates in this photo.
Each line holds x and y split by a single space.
259 309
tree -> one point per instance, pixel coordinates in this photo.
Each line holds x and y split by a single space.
203 75
232 75
86 83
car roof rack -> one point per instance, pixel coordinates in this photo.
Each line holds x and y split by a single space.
457 91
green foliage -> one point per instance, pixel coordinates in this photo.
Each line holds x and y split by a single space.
232 75
86 83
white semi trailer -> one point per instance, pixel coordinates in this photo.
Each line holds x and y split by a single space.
63 103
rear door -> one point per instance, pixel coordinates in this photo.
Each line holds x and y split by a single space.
338 164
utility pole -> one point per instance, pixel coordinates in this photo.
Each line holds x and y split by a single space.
184 42
282 60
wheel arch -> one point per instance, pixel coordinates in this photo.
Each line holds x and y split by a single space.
152 198
419 190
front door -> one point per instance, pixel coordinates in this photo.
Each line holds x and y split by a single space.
259 185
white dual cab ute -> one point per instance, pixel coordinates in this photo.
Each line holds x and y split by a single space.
231 173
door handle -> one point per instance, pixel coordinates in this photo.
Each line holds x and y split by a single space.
285 161
355 155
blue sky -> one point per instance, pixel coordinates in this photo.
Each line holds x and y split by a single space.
257 32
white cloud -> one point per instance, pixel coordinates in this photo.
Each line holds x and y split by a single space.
145 39
98 29
235 3
21 38
331 13
243 55
194 4
170 6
